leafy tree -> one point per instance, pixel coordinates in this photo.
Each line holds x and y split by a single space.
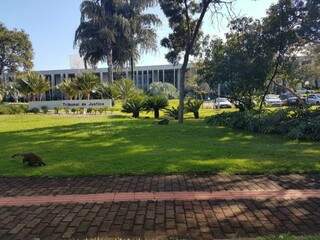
15 50
241 65
309 69
194 107
32 84
134 105
164 89
155 104
185 19
140 26
123 89
69 88
86 83
289 24
100 33
197 87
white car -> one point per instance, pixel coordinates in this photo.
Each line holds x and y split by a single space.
313 99
274 101
222 103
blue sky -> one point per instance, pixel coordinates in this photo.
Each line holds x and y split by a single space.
51 25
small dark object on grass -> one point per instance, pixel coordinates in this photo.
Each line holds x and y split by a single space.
31 159
163 122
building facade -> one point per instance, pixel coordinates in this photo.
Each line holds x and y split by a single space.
143 76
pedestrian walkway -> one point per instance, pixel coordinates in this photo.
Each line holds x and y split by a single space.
160 207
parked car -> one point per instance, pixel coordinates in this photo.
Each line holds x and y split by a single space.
273 100
289 99
313 99
222 103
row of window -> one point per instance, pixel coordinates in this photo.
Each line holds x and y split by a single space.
142 79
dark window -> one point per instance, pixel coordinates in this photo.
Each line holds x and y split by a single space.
169 76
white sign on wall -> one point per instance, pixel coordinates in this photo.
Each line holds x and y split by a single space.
100 103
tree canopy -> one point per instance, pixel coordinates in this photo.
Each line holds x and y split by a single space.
15 50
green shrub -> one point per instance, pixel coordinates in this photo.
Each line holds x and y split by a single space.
194 106
13 109
56 110
134 105
66 110
172 112
291 122
89 110
155 104
45 109
34 110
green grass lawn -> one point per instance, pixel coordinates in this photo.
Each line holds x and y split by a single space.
99 145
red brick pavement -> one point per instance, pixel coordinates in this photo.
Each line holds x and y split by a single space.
157 196
162 219
159 207
172 183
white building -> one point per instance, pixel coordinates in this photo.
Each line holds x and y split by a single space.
143 76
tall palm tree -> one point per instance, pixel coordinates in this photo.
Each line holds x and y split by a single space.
100 27
69 88
142 34
86 83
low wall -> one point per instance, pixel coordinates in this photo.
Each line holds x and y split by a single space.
101 103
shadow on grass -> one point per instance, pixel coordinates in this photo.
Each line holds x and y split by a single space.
120 146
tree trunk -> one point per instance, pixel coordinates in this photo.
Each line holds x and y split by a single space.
136 114
182 87
190 44
132 67
275 72
196 115
110 67
88 96
156 113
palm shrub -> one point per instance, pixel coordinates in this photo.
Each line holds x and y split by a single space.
134 105
173 112
45 109
123 89
86 83
194 106
69 88
32 83
155 104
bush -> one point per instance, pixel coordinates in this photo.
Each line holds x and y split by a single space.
56 110
134 105
45 109
173 112
34 110
194 106
155 104
163 89
13 109
291 122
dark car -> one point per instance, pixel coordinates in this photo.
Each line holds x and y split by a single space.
289 99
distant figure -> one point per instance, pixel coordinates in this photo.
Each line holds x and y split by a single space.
31 159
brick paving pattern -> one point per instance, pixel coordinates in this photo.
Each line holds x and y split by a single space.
198 219
163 219
104 184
